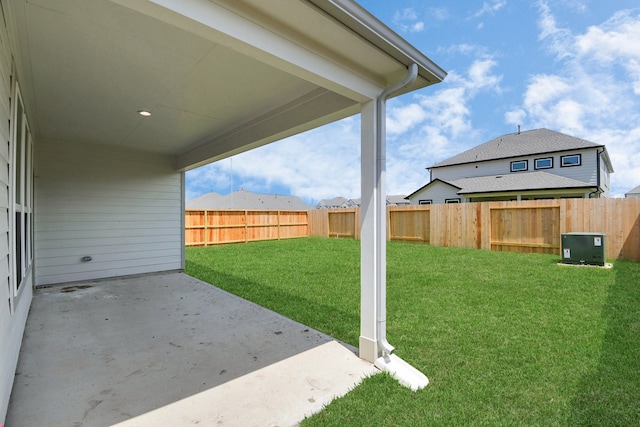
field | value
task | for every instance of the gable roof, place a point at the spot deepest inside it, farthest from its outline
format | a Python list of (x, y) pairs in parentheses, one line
[(633, 191), (536, 141), (516, 182), (432, 183)]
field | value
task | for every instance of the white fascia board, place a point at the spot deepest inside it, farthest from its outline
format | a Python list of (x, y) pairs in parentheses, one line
[(378, 34), (222, 25)]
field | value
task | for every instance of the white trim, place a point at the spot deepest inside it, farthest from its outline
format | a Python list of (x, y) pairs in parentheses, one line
[(21, 203)]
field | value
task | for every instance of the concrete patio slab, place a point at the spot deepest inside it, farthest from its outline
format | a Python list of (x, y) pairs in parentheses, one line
[(281, 394), (168, 349)]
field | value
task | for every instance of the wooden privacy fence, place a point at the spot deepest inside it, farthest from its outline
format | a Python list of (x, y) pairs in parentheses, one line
[(214, 227), (526, 226)]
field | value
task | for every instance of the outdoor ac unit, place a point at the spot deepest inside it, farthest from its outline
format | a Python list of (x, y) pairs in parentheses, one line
[(583, 248)]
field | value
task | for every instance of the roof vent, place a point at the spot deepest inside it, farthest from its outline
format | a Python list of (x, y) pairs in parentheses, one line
[(518, 129)]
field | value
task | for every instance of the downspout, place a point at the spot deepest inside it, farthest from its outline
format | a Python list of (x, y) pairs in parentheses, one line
[(385, 361), (598, 190), (381, 297)]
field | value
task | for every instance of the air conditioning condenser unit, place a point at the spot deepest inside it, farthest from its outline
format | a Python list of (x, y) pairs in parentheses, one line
[(583, 248)]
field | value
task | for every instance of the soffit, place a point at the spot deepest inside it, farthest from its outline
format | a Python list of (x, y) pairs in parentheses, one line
[(87, 66)]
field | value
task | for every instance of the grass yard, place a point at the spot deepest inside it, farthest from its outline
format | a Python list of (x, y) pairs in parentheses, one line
[(506, 339)]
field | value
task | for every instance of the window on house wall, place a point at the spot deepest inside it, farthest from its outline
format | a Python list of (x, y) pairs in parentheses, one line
[(425, 202), (546, 163), (519, 166), (452, 200), (572, 160), (22, 192)]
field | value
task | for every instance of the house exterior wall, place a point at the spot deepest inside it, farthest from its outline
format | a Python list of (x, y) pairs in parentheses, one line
[(438, 192), (120, 207), (14, 305), (586, 172)]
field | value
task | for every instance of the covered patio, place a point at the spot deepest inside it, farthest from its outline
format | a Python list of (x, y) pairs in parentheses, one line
[(105, 104), (169, 350)]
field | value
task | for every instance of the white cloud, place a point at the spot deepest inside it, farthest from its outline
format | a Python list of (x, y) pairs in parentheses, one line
[(593, 93), (490, 8), (439, 13), (407, 20), (557, 39), (402, 118), (318, 164)]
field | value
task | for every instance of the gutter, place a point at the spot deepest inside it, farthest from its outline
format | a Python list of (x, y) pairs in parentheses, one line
[(362, 22)]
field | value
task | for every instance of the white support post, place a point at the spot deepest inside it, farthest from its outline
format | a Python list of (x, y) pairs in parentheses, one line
[(373, 231)]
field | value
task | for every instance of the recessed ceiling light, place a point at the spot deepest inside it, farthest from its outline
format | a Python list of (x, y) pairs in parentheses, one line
[(144, 113)]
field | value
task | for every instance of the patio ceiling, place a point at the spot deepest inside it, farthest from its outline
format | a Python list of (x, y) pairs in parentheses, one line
[(219, 77)]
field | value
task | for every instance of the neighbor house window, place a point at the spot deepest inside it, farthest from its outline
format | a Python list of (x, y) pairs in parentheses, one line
[(22, 192), (425, 202), (545, 163), (519, 166), (572, 160), (452, 200)]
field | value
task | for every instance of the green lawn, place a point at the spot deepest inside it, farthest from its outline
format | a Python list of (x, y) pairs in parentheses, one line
[(506, 339)]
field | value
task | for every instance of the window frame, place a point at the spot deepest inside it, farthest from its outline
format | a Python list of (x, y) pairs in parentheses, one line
[(454, 200), (20, 193), (425, 202), (526, 165), (578, 156), (535, 163)]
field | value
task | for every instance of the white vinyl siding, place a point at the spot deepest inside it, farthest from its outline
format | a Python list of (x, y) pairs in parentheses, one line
[(13, 307), (120, 207), (586, 172), (437, 192)]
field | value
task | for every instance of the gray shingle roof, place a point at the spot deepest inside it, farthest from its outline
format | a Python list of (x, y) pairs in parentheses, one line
[(634, 191), (206, 201), (536, 141), (397, 200), (516, 182), (243, 199)]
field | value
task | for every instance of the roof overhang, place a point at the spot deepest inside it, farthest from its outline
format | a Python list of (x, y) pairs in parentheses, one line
[(218, 76)]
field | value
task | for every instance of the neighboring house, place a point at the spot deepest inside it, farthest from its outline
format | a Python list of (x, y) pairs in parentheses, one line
[(633, 193), (535, 164), (335, 203), (104, 104), (400, 200), (341, 202), (243, 199)]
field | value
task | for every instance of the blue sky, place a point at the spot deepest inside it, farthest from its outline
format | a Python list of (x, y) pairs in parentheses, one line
[(568, 65)]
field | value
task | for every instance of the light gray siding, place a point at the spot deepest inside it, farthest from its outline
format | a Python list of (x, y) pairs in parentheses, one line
[(120, 207), (13, 307), (586, 172), (438, 192)]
